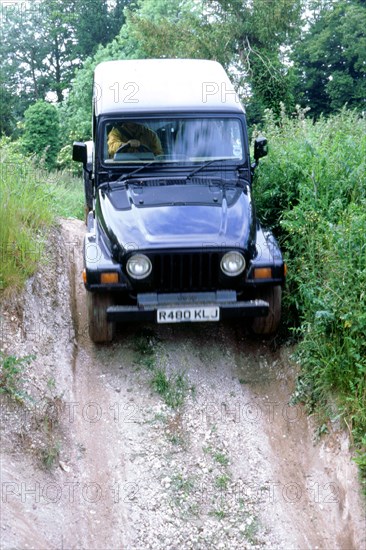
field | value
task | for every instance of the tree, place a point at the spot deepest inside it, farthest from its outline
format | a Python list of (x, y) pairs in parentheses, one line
[(153, 33), (58, 27), (41, 132), (44, 42), (7, 121), (259, 30), (38, 48), (22, 51), (245, 41), (176, 29), (245, 36), (331, 58), (98, 22)]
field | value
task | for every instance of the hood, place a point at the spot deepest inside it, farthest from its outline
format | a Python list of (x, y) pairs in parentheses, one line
[(176, 216)]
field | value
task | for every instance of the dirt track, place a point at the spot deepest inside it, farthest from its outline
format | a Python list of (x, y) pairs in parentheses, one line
[(234, 467)]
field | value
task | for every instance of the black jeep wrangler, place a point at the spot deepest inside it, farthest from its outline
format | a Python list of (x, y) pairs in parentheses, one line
[(172, 233)]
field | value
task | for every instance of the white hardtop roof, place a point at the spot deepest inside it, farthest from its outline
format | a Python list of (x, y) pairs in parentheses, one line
[(170, 85)]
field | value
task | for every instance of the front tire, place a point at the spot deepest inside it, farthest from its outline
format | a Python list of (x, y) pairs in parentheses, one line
[(100, 330), (269, 324)]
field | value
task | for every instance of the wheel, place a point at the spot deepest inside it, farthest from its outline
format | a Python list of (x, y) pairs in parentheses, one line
[(270, 323), (100, 330)]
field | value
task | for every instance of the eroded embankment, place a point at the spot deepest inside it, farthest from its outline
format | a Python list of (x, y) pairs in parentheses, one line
[(233, 466)]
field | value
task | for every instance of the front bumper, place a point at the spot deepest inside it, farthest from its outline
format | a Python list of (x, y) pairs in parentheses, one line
[(149, 304)]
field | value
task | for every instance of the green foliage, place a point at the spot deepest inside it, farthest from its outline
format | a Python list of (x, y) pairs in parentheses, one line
[(360, 460), (221, 458), (30, 200), (38, 44), (144, 346), (222, 481), (97, 22), (176, 29), (272, 84), (172, 388), (311, 189), (235, 35), (253, 34), (41, 132), (330, 59), (44, 42), (7, 100), (50, 454), (11, 376)]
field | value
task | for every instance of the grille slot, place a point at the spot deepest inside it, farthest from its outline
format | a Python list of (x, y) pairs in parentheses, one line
[(183, 272)]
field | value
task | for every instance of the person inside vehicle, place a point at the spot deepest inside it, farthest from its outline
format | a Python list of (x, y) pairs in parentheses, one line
[(132, 137)]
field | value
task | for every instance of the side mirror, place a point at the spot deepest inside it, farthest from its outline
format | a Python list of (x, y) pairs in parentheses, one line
[(79, 152), (260, 148)]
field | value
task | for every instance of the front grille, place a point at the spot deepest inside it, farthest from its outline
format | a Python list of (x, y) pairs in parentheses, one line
[(182, 272)]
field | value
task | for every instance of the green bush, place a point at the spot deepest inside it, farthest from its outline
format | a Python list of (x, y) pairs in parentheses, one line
[(12, 375), (30, 200), (312, 191), (41, 132)]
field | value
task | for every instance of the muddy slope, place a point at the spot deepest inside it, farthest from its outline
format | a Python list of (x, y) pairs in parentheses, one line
[(99, 460)]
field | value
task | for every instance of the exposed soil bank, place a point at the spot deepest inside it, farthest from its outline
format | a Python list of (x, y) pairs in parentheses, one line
[(234, 467)]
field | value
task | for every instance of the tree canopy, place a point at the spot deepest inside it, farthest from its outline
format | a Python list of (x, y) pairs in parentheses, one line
[(330, 59), (45, 42), (311, 52)]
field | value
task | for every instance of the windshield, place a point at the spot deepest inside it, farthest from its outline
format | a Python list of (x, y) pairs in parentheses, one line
[(171, 139)]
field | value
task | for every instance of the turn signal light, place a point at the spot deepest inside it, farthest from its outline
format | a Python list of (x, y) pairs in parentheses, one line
[(109, 278), (84, 276), (263, 273)]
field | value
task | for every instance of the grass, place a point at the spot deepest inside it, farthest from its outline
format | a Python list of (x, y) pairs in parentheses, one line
[(217, 456), (12, 376), (176, 439), (44, 414), (50, 455), (144, 345), (183, 484), (251, 531), (311, 190), (222, 482), (174, 387), (221, 458), (30, 201), (219, 514)]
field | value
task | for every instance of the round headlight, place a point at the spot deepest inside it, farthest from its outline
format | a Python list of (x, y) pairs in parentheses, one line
[(139, 266), (233, 263)]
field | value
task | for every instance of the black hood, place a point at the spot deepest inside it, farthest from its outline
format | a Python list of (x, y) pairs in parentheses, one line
[(176, 216)]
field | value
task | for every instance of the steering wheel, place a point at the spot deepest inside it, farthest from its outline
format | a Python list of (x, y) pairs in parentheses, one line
[(142, 148)]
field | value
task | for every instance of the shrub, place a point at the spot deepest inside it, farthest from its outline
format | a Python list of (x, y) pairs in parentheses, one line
[(41, 132), (312, 191), (11, 376), (31, 199)]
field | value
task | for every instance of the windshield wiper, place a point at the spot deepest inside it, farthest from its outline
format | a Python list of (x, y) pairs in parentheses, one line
[(139, 169), (207, 164), (125, 177)]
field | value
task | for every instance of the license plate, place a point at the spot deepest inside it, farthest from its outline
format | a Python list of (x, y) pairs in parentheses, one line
[(188, 314)]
